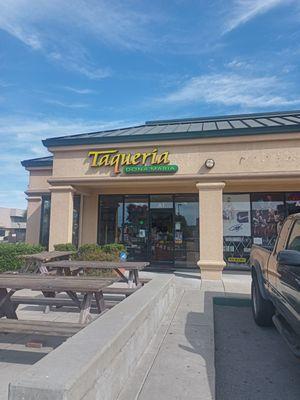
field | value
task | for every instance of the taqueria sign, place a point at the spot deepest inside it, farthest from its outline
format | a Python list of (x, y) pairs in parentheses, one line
[(133, 163)]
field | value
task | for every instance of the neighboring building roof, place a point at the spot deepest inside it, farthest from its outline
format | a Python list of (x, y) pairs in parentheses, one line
[(8, 218), (189, 128), (38, 162)]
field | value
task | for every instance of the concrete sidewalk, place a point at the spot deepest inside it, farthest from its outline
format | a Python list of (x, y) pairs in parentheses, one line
[(179, 362)]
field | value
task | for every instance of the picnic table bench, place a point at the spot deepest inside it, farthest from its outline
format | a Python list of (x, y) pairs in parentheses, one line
[(90, 287), (33, 262), (39, 327), (70, 266)]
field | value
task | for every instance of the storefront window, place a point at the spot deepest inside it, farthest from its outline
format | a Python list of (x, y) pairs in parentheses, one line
[(186, 230), (45, 220), (293, 203), (76, 220), (162, 229), (136, 227), (161, 201), (111, 219), (236, 228), (268, 213)]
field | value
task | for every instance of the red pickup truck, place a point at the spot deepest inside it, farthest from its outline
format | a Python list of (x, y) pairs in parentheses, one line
[(275, 291)]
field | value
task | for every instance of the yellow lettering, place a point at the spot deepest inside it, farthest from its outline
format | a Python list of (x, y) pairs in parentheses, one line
[(145, 156), (115, 160), (163, 158), (104, 160), (95, 155), (125, 159), (135, 158), (153, 156)]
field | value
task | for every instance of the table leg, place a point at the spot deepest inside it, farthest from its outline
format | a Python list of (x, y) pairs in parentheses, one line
[(73, 296), (136, 278), (43, 269), (100, 303), (131, 279), (85, 308), (7, 308), (123, 277)]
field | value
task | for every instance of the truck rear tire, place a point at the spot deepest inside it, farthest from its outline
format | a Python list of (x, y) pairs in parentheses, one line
[(262, 309)]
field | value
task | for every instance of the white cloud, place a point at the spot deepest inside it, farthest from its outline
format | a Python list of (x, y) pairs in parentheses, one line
[(234, 89), (16, 19), (20, 138), (78, 60), (23, 135), (242, 11), (46, 26), (56, 28), (78, 90), (65, 105)]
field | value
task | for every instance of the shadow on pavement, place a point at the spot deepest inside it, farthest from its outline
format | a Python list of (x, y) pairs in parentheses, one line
[(20, 357), (251, 362)]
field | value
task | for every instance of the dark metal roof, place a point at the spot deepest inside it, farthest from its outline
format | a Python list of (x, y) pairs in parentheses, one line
[(189, 128), (38, 162)]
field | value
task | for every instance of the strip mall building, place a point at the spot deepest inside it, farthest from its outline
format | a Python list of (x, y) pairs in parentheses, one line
[(179, 193)]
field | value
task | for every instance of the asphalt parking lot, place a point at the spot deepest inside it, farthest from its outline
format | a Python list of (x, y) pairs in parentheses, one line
[(252, 363)]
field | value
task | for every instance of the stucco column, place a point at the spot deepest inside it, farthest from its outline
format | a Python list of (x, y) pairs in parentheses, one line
[(89, 220), (61, 216), (211, 260), (33, 219)]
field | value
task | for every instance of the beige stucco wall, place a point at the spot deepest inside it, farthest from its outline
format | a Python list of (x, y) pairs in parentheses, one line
[(251, 154), (61, 216), (33, 219), (38, 179), (89, 219), (37, 186)]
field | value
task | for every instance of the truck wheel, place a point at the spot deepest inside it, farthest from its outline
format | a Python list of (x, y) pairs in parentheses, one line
[(263, 310)]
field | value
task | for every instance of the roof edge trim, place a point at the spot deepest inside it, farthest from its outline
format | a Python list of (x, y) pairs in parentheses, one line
[(54, 142)]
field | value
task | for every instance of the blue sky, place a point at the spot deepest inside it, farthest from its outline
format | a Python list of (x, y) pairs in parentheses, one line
[(72, 66)]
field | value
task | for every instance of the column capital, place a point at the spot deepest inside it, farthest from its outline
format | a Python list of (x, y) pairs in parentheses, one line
[(64, 189), (34, 198), (210, 185)]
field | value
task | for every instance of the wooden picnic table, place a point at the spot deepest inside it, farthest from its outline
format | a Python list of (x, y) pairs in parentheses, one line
[(90, 287), (33, 262), (69, 266)]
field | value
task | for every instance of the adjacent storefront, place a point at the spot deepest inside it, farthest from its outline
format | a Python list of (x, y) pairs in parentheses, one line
[(178, 193)]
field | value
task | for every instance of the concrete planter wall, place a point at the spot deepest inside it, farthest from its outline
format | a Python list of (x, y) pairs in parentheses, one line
[(96, 362)]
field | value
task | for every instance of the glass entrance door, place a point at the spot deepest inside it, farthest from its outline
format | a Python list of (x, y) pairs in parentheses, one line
[(162, 236), (160, 228)]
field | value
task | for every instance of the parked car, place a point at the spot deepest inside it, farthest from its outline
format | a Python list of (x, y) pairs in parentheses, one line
[(275, 290)]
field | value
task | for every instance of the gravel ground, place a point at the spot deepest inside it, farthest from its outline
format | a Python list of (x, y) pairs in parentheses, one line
[(252, 363)]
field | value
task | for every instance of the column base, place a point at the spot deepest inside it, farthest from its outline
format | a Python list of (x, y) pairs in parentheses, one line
[(211, 270)]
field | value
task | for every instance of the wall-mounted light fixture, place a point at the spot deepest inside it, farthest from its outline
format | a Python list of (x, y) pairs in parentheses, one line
[(210, 163)]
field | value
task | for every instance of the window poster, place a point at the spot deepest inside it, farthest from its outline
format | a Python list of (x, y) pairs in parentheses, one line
[(236, 215)]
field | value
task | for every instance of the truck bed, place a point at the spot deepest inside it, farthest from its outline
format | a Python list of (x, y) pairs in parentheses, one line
[(260, 255)]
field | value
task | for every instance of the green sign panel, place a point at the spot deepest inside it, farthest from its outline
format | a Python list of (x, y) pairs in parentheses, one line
[(150, 169)]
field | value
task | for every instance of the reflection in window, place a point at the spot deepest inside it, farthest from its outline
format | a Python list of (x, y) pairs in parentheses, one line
[(186, 230), (111, 219), (293, 203), (236, 228), (136, 227), (268, 213), (161, 228), (45, 220), (161, 201), (76, 219)]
